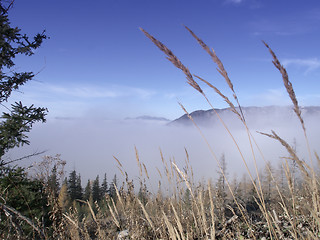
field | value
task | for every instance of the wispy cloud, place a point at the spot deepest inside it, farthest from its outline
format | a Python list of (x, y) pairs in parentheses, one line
[(272, 27), (286, 24), (279, 97), (77, 99), (91, 92), (309, 99), (82, 92), (310, 64), (252, 4), (276, 96), (235, 1)]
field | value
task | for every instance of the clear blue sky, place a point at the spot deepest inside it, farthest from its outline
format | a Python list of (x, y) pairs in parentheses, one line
[(98, 62)]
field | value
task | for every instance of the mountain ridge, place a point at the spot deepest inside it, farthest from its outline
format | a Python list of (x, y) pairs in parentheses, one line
[(208, 117)]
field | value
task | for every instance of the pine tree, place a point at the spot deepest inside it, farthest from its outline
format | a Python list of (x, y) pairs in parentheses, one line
[(79, 187), (221, 184), (221, 194), (104, 186), (14, 183), (74, 186), (236, 188), (281, 176), (112, 188), (15, 124), (96, 190), (53, 183), (87, 191)]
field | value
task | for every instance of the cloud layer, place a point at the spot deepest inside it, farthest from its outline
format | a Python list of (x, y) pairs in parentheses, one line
[(88, 145), (309, 65)]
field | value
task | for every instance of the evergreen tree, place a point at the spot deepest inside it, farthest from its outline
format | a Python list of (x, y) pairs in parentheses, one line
[(268, 183), (74, 186), (221, 183), (79, 187), (96, 190), (53, 182), (15, 124), (281, 176), (112, 188), (236, 187), (221, 194), (87, 191), (294, 165), (104, 186), (33, 205)]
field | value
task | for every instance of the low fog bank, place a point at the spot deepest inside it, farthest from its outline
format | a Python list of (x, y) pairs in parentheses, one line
[(88, 145)]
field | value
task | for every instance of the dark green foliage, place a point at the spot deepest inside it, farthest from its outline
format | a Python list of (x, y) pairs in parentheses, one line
[(16, 124), (104, 186), (53, 186), (12, 43), (19, 119), (96, 190), (23, 202), (87, 191), (79, 187), (15, 188), (24, 195), (74, 186), (112, 188)]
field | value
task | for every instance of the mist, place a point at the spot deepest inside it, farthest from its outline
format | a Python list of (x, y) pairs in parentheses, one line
[(89, 144)]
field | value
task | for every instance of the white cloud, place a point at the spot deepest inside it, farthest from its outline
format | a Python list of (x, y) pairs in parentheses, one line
[(252, 4), (140, 92), (234, 1), (90, 91), (310, 64), (77, 99), (263, 26), (83, 91), (277, 96), (309, 99)]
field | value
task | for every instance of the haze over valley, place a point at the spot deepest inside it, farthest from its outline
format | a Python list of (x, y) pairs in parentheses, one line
[(88, 145)]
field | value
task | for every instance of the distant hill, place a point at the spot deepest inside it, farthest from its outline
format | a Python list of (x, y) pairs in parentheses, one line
[(149, 118), (269, 115)]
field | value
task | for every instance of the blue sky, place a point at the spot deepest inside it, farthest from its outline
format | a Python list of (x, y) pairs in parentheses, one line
[(98, 63)]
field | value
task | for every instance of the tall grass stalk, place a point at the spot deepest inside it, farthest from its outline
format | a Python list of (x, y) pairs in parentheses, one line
[(171, 57)]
